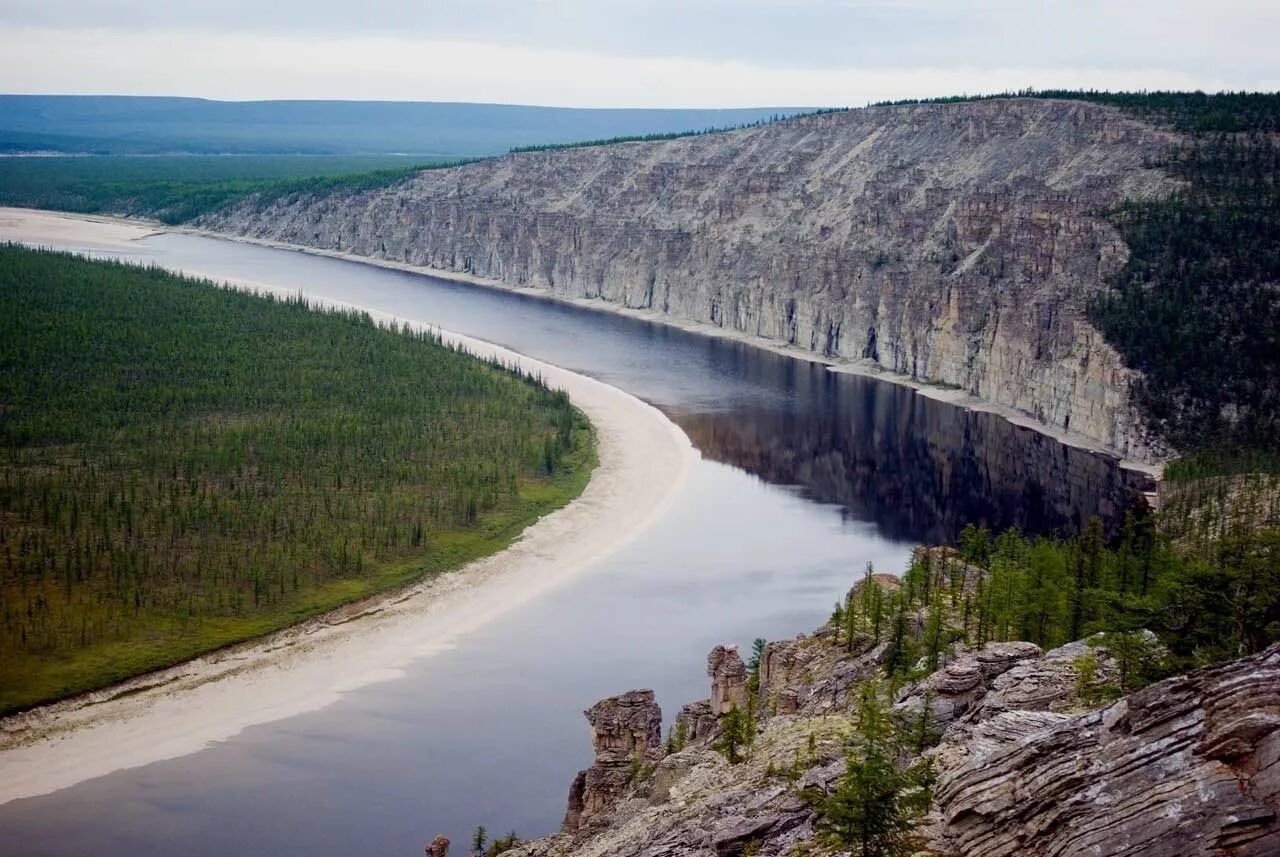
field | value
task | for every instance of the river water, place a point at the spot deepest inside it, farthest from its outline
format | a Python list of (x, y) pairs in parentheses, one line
[(807, 475)]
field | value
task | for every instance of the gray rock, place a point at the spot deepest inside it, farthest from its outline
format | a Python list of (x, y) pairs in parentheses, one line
[(626, 731), (1186, 767), (955, 243), (962, 684), (728, 680)]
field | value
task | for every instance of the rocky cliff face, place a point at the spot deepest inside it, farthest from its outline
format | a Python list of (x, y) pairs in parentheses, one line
[(626, 733), (1189, 766), (1026, 766), (952, 243)]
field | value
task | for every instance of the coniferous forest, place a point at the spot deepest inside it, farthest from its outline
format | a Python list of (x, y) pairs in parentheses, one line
[(185, 466), (1197, 306), (1160, 607)]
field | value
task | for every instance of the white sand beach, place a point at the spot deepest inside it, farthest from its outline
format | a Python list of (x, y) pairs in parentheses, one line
[(643, 460)]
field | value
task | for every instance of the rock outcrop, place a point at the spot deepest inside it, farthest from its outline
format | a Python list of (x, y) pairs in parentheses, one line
[(728, 676), (949, 243), (1189, 766), (697, 721), (626, 732), (964, 683)]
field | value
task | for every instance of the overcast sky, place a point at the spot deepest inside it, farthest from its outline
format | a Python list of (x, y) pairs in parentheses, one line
[(686, 53)]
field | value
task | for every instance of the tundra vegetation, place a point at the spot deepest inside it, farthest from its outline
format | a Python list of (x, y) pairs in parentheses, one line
[(187, 466)]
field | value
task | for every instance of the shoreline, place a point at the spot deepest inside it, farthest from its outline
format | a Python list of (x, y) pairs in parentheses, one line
[(957, 397), (864, 368), (643, 456)]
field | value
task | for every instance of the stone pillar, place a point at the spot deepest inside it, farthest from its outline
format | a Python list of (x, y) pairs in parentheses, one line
[(626, 730), (728, 680)]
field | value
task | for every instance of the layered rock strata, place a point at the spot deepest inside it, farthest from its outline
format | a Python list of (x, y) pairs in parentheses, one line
[(1188, 766), (626, 732), (949, 243)]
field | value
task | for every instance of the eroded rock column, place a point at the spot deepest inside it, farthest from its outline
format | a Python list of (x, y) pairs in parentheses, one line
[(626, 732)]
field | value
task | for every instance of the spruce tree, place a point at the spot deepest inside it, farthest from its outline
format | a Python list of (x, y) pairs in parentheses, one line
[(876, 802), (733, 735)]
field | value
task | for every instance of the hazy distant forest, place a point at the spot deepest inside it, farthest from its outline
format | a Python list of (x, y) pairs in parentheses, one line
[(185, 466), (179, 188)]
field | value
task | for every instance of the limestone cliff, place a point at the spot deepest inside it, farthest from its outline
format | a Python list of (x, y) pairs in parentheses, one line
[(953, 243)]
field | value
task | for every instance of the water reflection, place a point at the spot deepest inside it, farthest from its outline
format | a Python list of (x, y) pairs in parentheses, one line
[(918, 468), (491, 732)]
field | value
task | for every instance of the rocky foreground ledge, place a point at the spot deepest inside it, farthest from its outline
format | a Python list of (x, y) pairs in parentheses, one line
[(1027, 761)]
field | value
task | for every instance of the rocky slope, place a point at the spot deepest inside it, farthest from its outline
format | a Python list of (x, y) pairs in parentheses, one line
[(1188, 766), (953, 243)]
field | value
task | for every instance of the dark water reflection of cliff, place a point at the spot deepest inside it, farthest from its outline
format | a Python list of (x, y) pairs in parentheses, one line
[(490, 731), (918, 468)]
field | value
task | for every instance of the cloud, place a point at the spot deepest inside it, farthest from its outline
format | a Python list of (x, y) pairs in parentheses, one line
[(250, 65), (1234, 37)]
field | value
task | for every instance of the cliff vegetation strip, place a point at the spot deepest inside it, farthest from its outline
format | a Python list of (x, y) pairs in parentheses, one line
[(1196, 307), (187, 466), (179, 188)]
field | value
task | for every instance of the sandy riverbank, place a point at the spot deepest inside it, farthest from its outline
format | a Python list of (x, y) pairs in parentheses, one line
[(643, 459)]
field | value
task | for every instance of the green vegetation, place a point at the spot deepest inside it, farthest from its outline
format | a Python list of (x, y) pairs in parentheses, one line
[(178, 189), (1197, 305), (186, 466), (1188, 111), (1208, 464), (736, 732), (678, 737), (1205, 607), (145, 125), (877, 802), (502, 845)]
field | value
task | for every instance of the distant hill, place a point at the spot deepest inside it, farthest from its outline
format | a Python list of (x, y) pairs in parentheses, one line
[(153, 125)]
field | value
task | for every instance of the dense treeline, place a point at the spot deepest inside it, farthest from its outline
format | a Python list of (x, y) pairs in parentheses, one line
[(1204, 607), (674, 135), (185, 465), (177, 189), (1187, 110), (1197, 306)]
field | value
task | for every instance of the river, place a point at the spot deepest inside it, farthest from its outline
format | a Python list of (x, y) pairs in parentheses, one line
[(807, 475)]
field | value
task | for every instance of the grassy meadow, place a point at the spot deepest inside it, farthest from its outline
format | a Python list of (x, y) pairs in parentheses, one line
[(184, 466)]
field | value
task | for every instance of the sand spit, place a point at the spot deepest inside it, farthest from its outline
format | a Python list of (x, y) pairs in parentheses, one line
[(643, 460)]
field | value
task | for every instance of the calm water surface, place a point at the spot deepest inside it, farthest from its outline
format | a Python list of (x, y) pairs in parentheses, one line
[(807, 476)]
